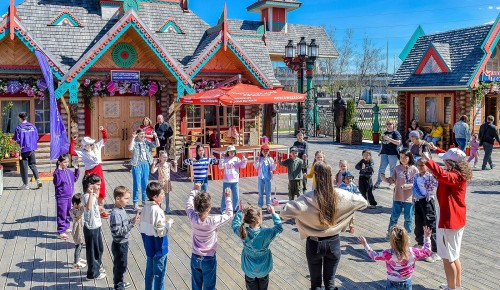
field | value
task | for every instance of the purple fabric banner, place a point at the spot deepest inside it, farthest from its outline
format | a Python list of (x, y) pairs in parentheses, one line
[(58, 137)]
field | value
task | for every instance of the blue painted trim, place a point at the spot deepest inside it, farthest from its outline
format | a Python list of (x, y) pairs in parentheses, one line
[(3, 34), (160, 2), (257, 36), (105, 49), (66, 16), (409, 45), (476, 71), (180, 92), (205, 61), (247, 65), (173, 24)]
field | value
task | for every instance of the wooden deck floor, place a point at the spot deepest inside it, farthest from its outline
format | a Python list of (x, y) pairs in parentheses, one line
[(32, 257)]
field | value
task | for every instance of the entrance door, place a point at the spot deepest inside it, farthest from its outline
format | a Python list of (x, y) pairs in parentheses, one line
[(120, 116), (491, 108)]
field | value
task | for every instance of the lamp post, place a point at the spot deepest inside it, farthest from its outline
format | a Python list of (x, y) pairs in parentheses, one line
[(298, 58)]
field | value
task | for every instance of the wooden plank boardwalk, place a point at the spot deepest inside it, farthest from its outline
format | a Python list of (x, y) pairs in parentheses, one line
[(32, 257)]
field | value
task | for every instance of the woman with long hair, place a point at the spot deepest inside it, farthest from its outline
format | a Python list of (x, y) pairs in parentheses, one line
[(321, 215)]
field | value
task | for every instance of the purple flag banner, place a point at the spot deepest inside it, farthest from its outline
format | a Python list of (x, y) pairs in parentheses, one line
[(58, 137)]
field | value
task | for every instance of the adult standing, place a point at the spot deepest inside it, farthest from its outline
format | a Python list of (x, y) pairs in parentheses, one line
[(339, 109), (417, 146), (26, 136), (388, 151), (488, 133), (164, 132), (148, 128), (301, 144), (462, 132), (321, 215), (452, 186), (141, 160)]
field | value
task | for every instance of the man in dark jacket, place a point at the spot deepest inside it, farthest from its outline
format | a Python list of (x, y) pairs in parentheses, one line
[(164, 132), (26, 136), (488, 133)]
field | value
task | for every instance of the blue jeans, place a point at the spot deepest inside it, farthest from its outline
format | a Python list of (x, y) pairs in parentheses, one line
[(203, 272), (403, 285), (397, 208), (391, 160), (156, 270), (264, 188), (204, 184), (140, 174), (434, 140), (462, 143), (235, 196)]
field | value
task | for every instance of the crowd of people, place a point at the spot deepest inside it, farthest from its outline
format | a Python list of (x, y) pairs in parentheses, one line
[(320, 214)]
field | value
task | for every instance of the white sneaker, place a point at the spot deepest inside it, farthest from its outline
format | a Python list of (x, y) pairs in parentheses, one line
[(101, 276), (102, 270), (436, 257), (83, 261), (443, 286), (23, 187), (126, 284), (430, 259), (136, 206)]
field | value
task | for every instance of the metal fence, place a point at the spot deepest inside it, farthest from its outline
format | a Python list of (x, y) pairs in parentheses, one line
[(364, 118)]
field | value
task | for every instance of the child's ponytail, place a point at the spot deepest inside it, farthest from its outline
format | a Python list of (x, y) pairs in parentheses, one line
[(243, 231), (251, 216)]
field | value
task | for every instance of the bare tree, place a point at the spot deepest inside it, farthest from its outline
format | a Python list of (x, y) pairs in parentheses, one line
[(369, 62)]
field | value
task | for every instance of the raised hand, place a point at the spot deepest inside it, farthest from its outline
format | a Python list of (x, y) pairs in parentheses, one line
[(270, 209), (197, 186), (227, 192), (362, 241), (101, 128), (427, 232), (134, 135), (425, 156), (363, 166), (242, 206), (431, 146), (74, 137)]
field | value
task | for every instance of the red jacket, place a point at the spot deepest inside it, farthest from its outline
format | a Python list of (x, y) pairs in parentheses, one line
[(450, 195)]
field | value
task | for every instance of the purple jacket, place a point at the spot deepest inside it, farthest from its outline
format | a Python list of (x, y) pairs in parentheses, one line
[(26, 136), (64, 182)]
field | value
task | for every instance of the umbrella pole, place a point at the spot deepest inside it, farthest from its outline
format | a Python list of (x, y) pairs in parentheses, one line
[(217, 117)]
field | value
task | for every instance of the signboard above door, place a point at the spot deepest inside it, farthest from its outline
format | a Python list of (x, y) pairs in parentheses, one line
[(125, 75)]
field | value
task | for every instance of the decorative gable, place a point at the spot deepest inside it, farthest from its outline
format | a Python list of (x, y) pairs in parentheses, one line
[(171, 26), (436, 59), (65, 18)]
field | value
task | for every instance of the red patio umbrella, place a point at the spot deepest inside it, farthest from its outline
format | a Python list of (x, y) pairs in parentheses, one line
[(242, 94)]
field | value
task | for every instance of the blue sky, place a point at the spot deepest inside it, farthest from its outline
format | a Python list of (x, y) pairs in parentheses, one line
[(381, 20)]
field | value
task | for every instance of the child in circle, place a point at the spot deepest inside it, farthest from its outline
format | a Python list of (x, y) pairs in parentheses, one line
[(164, 167), (64, 184), (400, 258), (265, 166), (231, 165), (256, 257), (318, 156), (343, 168)]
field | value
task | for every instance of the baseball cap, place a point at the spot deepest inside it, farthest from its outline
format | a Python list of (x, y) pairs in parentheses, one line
[(264, 147), (230, 148), (87, 141), (346, 175), (453, 154), (414, 134), (293, 148)]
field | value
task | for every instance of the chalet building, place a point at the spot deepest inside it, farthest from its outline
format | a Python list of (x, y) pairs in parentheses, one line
[(117, 61), (449, 74)]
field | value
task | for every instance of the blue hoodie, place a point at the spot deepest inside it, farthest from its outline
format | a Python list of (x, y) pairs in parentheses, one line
[(256, 257), (26, 136)]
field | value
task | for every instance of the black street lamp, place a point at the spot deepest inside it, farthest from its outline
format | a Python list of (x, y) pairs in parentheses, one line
[(298, 58)]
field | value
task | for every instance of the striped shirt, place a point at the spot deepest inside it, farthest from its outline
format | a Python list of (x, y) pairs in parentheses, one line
[(200, 167)]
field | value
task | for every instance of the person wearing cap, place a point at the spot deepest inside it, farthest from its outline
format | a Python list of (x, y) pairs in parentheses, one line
[(295, 175), (417, 146), (265, 166), (488, 133), (231, 165), (26, 135), (90, 153), (348, 184), (451, 190)]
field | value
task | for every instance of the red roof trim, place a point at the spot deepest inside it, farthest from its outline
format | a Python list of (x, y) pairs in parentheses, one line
[(431, 52)]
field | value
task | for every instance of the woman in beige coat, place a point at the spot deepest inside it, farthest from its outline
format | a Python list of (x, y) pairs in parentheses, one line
[(321, 215)]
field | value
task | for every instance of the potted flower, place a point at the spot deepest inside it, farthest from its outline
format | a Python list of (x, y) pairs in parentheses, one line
[(351, 134)]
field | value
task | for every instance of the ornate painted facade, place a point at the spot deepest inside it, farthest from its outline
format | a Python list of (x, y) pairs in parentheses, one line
[(117, 60)]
